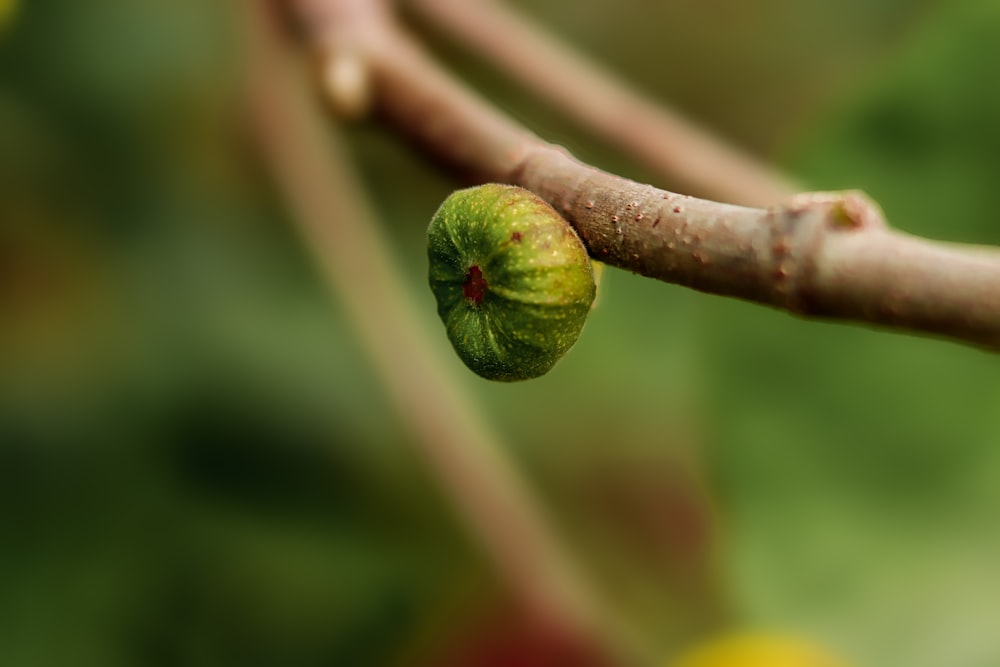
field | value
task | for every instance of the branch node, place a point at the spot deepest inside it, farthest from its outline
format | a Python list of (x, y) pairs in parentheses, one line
[(346, 80), (846, 210)]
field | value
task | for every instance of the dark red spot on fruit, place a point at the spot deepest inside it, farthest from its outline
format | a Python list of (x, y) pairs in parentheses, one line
[(474, 287), (516, 237)]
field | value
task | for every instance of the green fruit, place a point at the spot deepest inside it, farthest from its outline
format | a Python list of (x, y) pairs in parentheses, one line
[(512, 280)]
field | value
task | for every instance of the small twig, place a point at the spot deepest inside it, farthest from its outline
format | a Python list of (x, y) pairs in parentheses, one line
[(658, 137), (461, 450), (818, 255)]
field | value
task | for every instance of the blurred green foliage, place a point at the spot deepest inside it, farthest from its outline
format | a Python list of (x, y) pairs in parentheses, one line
[(198, 467)]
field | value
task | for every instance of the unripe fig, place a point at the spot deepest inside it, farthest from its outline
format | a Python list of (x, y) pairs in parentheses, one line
[(512, 280)]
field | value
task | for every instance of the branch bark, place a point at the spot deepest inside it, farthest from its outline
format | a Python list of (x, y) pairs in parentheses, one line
[(825, 255)]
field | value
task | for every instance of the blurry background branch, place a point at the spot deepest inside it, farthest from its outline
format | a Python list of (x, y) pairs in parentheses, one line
[(827, 256), (462, 452), (675, 148)]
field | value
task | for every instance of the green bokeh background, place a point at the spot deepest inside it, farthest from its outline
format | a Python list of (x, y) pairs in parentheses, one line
[(199, 467)]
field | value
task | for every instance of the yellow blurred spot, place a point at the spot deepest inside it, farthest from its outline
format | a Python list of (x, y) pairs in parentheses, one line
[(757, 650), (7, 9)]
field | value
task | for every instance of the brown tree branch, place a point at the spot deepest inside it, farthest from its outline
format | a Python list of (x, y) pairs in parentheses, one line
[(656, 136), (449, 432), (818, 255)]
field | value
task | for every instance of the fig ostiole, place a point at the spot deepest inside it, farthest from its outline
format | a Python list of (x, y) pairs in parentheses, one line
[(512, 279)]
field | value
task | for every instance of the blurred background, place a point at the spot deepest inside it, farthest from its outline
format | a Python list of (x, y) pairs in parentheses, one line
[(198, 465)]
